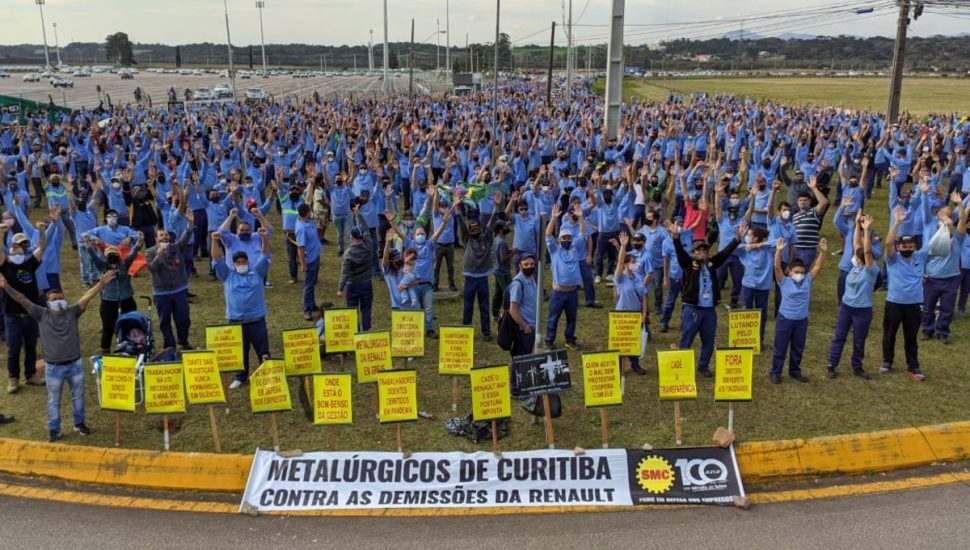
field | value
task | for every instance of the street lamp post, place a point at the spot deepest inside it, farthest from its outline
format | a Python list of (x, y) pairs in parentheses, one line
[(232, 70), (437, 47), (43, 28), (260, 4), (57, 45), (386, 85)]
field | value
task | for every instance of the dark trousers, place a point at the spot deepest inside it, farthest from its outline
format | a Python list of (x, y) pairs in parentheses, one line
[(964, 290), (701, 320), (604, 248), (858, 319), (39, 193), (188, 258), (908, 316), (735, 269), (560, 302), (942, 292), (668, 309), (524, 344), (589, 290), (22, 333), (202, 236), (374, 261), (444, 252), (255, 336), (406, 192), (310, 285), (174, 306), (754, 298), (109, 316), (658, 289), (291, 254), (840, 285), (149, 232), (789, 340), (476, 287), (502, 281), (360, 295), (774, 312)]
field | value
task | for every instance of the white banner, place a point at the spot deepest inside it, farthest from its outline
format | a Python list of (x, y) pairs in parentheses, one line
[(348, 480)]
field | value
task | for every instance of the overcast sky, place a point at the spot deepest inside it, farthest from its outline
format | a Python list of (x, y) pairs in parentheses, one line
[(339, 22)]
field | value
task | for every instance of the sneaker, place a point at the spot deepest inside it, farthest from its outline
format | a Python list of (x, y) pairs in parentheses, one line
[(430, 333), (191, 295), (594, 305), (798, 376), (82, 429), (53, 436), (547, 346), (915, 374), (861, 374), (886, 368), (307, 316), (235, 385), (609, 278), (663, 329), (706, 373), (268, 284), (572, 347), (291, 281), (596, 280), (36, 380), (452, 288), (13, 385), (775, 379), (639, 370), (837, 252), (188, 347), (830, 373), (4, 419)]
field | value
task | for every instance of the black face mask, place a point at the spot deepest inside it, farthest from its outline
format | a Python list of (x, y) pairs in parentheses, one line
[(213, 198), (397, 264), (294, 196), (638, 246), (651, 222), (608, 198), (528, 271), (906, 253), (475, 232)]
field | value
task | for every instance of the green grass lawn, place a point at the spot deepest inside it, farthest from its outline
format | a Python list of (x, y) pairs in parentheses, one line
[(920, 95)]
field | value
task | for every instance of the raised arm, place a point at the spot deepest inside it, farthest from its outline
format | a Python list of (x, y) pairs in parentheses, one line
[(779, 272), (823, 247), (96, 289)]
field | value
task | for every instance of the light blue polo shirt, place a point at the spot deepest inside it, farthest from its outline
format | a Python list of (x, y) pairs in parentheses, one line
[(526, 232), (669, 251), (906, 278), (245, 298), (628, 293), (424, 265), (565, 263), (307, 237), (859, 283), (795, 298), (759, 271), (522, 291)]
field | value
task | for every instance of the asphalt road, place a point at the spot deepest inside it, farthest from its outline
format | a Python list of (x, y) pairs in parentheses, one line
[(925, 519), (85, 94)]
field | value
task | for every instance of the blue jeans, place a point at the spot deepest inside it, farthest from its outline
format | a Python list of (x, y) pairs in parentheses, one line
[(21, 332), (425, 296), (56, 375), (255, 335), (560, 302), (89, 275), (702, 320), (589, 290), (361, 296), (672, 294), (789, 334), (340, 224), (309, 286), (174, 306), (754, 298), (476, 287)]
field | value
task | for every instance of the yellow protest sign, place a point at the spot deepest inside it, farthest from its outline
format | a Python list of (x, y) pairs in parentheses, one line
[(226, 341), (601, 379), (202, 382), (677, 376), (407, 333), (340, 326), (373, 354), (744, 329), (301, 351), (118, 383), (491, 393), (456, 350), (397, 395), (268, 390), (624, 335), (733, 374), (332, 399), (164, 388)]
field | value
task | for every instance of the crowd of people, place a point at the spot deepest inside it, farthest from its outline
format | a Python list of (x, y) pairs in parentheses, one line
[(400, 186)]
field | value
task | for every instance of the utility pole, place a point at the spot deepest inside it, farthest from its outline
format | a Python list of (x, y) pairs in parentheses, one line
[(899, 54), (386, 85), (552, 51), (57, 44), (232, 69), (498, 11), (614, 70), (448, 37), (262, 42), (411, 63), (370, 52), (437, 48), (569, 55), (740, 40), (43, 28)]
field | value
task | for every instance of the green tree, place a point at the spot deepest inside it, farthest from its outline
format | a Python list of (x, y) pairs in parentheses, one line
[(118, 47)]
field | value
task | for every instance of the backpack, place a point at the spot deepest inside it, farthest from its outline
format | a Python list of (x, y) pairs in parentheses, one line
[(534, 405), (507, 328)]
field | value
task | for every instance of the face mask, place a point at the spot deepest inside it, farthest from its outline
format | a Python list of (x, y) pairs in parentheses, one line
[(785, 214), (651, 222), (58, 305), (420, 239), (113, 260), (638, 246), (797, 277), (853, 184), (656, 197), (17, 259), (528, 271), (242, 269), (408, 223), (748, 239), (56, 183), (524, 214), (112, 220), (608, 198), (474, 232), (294, 196), (566, 245), (213, 198), (732, 216), (906, 253), (856, 262), (804, 207), (116, 185), (245, 237), (734, 202)]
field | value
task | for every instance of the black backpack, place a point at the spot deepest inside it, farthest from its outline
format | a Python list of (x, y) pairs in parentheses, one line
[(507, 328)]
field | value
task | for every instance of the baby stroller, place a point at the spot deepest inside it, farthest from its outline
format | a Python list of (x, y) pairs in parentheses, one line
[(134, 333)]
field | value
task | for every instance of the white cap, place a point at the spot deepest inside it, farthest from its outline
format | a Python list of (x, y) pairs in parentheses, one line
[(564, 232)]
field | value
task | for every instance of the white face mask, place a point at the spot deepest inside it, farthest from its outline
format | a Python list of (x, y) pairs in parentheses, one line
[(242, 269), (856, 262), (785, 214), (798, 277), (58, 305), (112, 220), (115, 185), (17, 259)]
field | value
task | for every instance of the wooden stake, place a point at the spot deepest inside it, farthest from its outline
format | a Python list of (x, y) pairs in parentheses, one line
[(215, 428), (604, 430), (495, 447), (276, 431), (400, 445), (730, 416), (624, 364), (333, 438), (547, 409), (341, 361), (377, 402), (454, 394), (117, 429), (165, 430), (677, 422)]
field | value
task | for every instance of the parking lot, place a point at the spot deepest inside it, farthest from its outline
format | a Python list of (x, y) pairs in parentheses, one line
[(156, 86)]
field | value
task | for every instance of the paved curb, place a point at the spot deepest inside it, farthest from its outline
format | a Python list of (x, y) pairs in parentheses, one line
[(760, 462)]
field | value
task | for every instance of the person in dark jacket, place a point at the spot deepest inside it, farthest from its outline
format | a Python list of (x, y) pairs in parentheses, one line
[(478, 265), (355, 271), (701, 293), (117, 296), (170, 283)]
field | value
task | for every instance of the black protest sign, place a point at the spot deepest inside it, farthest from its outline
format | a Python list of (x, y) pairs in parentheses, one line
[(541, 373), (700, 475)]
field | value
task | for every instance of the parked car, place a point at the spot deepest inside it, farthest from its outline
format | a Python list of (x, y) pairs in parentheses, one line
[(255, 94), (201, 94), (220, 91), (126, 75), (31, 78), (62, 83), (4, 74)]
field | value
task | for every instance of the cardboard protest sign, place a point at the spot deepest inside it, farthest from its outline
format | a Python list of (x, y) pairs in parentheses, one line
[(203, 385), (407, 333), (624, 333), (332, 399), (118, 383), (456, 349), (268, 390), (744, 329), (226, 341), (373, 354), (601, 379), (397, 395), (164, 388), (301, 351), (676, 374), (491, 393), (340, 326), (733, 375)]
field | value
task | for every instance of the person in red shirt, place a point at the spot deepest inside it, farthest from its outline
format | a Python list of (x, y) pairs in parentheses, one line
[(695, 218)]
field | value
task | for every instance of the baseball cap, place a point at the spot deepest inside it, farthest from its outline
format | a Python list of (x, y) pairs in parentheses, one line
[(250, 203), (699, 243), (239, 255), (905, 239), (564, 233), (356, 233), (20, 237), (678, 219)]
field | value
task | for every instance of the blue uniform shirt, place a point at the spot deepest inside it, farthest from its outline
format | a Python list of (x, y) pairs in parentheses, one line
[(795, 298), (522, 291), (705, 295), (245, 298), (629, 293), (906, 278), (859, 283), (307, 237), (565, 263), (758, 267)]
